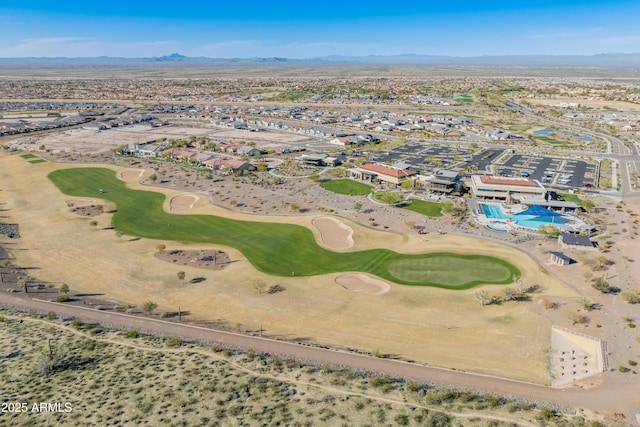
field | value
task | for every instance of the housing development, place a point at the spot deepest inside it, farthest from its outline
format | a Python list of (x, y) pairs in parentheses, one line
[(424, 247)]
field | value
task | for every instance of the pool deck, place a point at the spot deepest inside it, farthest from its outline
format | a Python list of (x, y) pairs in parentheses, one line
[(572, 223)]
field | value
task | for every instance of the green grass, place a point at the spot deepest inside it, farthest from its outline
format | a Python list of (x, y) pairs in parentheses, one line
[(347, 186), (276, 249), (28, 156), (388, 198), (432, 209), (519, 128), (36, 161), (438, 270), (552, 140), (567, 197)]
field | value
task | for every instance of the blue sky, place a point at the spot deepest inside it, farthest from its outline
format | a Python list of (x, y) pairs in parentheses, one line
[(306, 29)]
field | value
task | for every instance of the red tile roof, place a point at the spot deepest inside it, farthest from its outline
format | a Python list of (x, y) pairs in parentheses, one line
[(384, 170)]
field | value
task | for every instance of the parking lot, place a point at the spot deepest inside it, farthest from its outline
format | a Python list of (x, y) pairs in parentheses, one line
[(549, 170)]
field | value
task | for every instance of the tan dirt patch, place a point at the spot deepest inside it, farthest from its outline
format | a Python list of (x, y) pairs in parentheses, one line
[(77, 202), (208, 259), (182, 203), (335, 234), (131, 174), (359, 282)]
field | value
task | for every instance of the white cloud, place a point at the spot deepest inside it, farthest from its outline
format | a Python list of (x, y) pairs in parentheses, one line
[(86, 47)]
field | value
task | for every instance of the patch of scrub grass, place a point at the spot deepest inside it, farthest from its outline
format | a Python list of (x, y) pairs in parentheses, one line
[(465, 98), (348, 187), (273, 248), (28, 156), (425, 208)]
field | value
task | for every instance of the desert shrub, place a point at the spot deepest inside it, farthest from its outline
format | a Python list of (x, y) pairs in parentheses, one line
[(62, 298), (173, 341), (630, 297)]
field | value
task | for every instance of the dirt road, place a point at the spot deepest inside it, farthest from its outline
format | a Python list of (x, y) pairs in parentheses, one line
[(603, 397)]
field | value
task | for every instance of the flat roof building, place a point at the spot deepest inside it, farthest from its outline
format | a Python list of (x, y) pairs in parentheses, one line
[(497, 187)]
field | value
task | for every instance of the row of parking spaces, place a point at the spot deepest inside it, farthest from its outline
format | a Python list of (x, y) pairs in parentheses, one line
[(484, 159), (549, 170), (430, 157)]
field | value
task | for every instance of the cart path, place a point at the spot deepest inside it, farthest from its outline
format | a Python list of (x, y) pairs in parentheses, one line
[(608, 396)]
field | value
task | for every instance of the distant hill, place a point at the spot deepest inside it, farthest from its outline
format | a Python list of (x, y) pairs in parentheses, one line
[(600, 60), (608, 60)]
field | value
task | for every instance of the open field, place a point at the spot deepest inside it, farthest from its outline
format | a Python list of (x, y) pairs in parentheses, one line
[(276, 249), (592, 103), (429, 325), (102, 377)]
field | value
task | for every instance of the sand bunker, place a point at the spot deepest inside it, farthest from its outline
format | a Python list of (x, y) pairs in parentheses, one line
[(358, 282), (131, 174), (334, 233), (182, 203)]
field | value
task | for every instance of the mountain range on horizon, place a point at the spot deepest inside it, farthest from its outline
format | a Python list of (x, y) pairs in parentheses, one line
[(606, 60)]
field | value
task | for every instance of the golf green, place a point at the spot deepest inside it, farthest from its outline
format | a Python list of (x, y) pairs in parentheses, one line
[(277, 249), (467, 269)]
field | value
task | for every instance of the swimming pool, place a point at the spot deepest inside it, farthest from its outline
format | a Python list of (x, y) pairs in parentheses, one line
[(526, 221), (493, 211), (496, 227)]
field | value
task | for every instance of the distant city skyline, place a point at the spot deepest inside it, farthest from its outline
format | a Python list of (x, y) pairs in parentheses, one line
[(314, 29)]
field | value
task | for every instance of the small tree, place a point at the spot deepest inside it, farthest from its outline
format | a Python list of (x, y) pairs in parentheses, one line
[(23, 282), (149, 306), (64, 289), (161, 247), (630, 297), (407, 185), (578, 318), (549, 230), (181, 275), (602, 285), (93, 224), (585, 304), (119, 234)]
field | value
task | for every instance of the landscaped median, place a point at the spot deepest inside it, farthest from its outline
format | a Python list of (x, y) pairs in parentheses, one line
[(276, 249)]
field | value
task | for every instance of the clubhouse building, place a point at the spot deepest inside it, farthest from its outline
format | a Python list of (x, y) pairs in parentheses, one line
[(381, 173), (504, 188)]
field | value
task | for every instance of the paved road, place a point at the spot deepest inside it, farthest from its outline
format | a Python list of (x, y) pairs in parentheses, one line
[(606, 397)]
